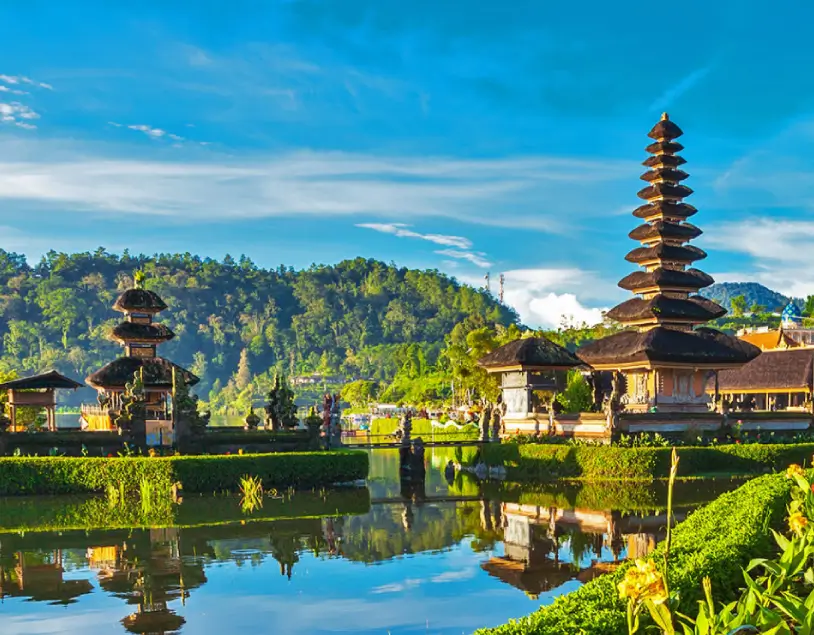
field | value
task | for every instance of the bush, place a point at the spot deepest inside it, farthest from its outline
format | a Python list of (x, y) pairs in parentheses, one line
[(715, 541), (204, 474), (543, 462)]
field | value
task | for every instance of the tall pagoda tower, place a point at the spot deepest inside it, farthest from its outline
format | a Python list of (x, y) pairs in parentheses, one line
[(140, 336), (665, 354)]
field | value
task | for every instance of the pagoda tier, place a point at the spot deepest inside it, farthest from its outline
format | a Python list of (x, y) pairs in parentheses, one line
[(663, 354)]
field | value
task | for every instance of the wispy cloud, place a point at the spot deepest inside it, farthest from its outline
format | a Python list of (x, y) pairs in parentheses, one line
[(20, 79), (477, 258), (12, 91), (666, 99), (156, 133), (313, 183), (400, 230), (18, 114)]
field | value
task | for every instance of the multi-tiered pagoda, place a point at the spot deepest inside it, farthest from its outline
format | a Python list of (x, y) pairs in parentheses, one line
[(666, 356), (140, 336)]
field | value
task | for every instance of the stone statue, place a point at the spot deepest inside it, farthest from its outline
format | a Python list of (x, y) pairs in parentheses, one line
[(406, 427), (596, 390), (614, 402), (485, 421), (497, 419)]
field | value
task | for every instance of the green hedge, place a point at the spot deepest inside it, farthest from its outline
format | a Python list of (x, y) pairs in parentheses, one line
[(423, 428), (715, 541), (205, 474), (541, 462)]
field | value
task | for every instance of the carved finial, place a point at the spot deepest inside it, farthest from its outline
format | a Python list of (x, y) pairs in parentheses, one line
[(665, 116)]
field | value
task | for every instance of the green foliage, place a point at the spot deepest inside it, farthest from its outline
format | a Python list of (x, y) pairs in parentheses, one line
[(808, 307), (577, 396), (204, 474), (423, 428), (753, 293), (738, 304), (545, 462), (354, 319), (359, 393), (715, 541)]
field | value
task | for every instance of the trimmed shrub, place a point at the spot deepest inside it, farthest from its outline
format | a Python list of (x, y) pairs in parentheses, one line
[(715, 541), (204, 474), (545, 462)]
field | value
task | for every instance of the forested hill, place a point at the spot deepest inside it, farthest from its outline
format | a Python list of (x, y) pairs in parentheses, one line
[(754, 293), (355, 318)]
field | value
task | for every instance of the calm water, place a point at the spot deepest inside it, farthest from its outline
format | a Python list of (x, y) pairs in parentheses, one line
[(389, 558)]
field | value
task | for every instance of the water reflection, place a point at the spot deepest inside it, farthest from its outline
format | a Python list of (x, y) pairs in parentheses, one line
[(408, 556)]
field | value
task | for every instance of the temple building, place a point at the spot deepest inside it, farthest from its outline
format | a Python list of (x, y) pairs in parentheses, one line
[(665, 354), (140, 336), (532, 371)]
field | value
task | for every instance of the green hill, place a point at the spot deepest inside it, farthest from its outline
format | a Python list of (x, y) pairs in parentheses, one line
[(755, 294), (354, 319)]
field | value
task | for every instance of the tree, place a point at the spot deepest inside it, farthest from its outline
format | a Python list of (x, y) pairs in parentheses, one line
[(756, 308), (577, 396), (738, 304), (243, 377), (359, 393), (808, 307)]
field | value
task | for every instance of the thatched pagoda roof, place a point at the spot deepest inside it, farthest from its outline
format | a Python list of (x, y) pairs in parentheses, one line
[(530, 352), (668, 209), (139, 301), (695, 309), (666, 190), (157, 373), (134, 332), (667, 160), (772, 370), (662, 344), (50, 379), (665, 229), (664, 147), (661, 277), (663, 251), (162, 621), (665, 130), (664, 173)]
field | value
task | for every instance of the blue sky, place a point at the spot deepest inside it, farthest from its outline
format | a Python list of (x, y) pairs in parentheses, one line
[(467, 137)]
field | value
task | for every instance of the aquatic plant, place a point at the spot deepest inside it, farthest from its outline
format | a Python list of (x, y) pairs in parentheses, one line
[(251, 488)]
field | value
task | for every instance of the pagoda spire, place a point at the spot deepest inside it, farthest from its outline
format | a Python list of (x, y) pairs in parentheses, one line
[(666, 288)]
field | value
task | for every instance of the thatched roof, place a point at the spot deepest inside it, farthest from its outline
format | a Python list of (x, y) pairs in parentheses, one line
[(664, 174), (665, 130), (661, 277), (772, 370), (50, 379), (667, 160), (532, 352), (139, 301), (157, 373), (664, 189), (670, 209), (703, 346), (694, 308), (162, 621), (665, 229), (134, 332), (664, 147), (663, 251)]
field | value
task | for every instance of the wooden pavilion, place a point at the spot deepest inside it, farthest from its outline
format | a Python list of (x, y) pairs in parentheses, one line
[(140, 337), (778, 380), (38, 391), (532, 371), (666, 355)]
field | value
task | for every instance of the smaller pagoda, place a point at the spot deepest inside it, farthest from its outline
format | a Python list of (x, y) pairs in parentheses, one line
[(140, 337)]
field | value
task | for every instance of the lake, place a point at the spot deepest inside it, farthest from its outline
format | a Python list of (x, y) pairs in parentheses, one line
[(392, 557)]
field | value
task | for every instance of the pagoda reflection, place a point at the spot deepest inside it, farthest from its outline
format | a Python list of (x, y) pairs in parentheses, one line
[(39, 576)]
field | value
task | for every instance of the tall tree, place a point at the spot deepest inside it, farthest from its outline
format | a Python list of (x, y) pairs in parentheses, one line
[(243, 377)]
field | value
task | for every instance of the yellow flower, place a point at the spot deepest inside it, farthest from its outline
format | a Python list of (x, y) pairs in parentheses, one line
[(797, 522), (795, 470), (240, 451), (152, 452), (643, 581)]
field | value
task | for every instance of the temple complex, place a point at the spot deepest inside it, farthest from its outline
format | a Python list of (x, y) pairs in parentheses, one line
[(665, 354), (140, 336)]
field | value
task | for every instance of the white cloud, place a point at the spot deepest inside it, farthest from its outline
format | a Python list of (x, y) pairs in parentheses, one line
[(12, 91), (400, 230), (315, 183), (17, 114), (677, 90), (150, 132), (548, 298), (20, 79), (477, 258)]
